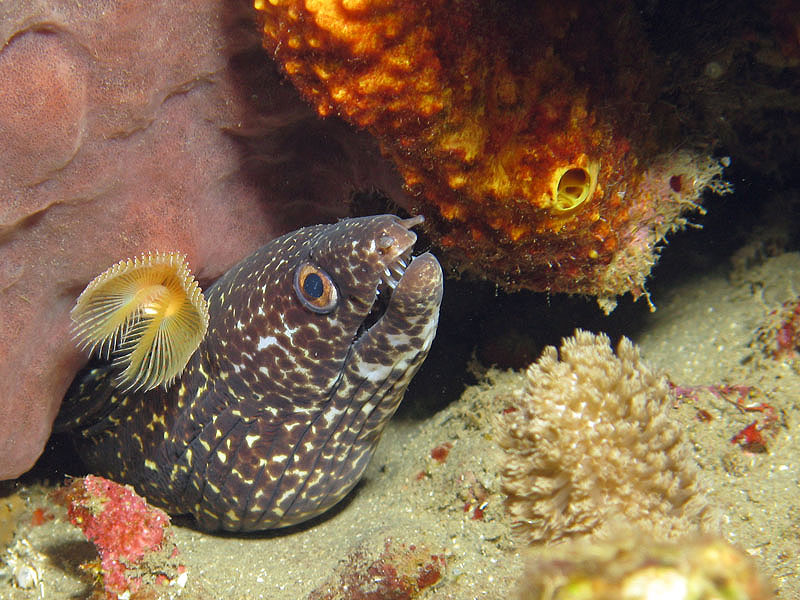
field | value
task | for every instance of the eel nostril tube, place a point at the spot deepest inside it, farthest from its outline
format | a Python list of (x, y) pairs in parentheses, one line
[(412, 221)]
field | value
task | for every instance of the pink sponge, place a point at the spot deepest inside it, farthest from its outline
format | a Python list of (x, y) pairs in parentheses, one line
[(131, 126)]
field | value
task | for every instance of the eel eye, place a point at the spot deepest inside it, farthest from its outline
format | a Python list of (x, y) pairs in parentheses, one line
[(315, 289)]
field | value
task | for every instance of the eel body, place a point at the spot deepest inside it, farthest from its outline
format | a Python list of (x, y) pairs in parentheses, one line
[(312, 341)]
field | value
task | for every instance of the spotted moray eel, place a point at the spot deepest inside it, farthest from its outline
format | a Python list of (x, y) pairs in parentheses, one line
[(278, 412)]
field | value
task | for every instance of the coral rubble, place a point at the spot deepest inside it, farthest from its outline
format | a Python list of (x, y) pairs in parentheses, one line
[(779, 336), (132, 538), (590, 445), (400, 572), (522, 131)]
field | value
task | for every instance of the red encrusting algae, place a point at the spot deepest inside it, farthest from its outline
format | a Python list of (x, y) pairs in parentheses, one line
[(751, 437), (440, 452), (131, 537), (400, 572)]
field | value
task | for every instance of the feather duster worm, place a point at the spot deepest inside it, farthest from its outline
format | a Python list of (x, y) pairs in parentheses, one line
[(524, 131), (147, 313)]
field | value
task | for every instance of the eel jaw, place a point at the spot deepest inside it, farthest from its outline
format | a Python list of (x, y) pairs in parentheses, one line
[(396, 248), (406, 311)]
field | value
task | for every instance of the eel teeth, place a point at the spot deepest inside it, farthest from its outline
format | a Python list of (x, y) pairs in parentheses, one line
[(394, 271), (388, 279)]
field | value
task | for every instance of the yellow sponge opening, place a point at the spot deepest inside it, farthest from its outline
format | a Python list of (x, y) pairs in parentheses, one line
[(573, 186)]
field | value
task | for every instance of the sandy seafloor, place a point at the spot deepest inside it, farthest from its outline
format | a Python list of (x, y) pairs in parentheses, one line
[(705, 332)]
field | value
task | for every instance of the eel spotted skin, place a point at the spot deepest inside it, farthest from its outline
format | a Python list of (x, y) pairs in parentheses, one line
[(311, 343)]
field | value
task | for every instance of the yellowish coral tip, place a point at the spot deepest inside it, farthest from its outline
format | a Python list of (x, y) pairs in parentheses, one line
[(148, 313)]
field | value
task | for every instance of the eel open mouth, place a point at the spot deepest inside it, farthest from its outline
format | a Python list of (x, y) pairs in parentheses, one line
[(399, 257)]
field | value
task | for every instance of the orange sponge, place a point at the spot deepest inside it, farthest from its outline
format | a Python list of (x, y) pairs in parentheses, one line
[(523, 131)]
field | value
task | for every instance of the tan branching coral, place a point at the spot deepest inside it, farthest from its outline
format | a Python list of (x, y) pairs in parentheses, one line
[(590, 445)]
